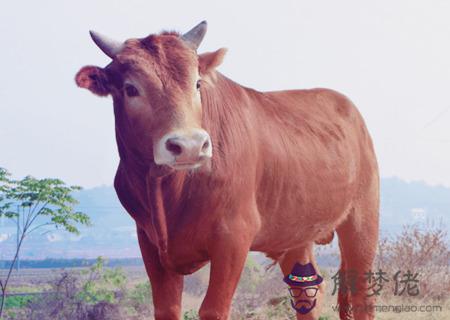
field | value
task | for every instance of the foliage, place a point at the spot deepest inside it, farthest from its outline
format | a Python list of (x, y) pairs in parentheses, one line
[(190, 315), (420, 249), (17, 301), (256, 286), (33, 204), (95, 293), (280, 308), (141, 295), (65, 301), (101, 283), (31, 198), (5, 203)]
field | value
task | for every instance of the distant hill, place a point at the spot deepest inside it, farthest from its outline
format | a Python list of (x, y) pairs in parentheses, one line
[(412, 202), (113, 232), (50, 263)]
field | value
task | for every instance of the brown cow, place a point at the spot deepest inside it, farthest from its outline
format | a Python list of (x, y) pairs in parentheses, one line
[(210, 169)]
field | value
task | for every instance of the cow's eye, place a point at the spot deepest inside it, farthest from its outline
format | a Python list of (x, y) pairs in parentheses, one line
[(131, 90), (199, 84)]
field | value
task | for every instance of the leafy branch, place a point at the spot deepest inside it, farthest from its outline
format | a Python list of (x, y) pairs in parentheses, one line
[(34, 204)]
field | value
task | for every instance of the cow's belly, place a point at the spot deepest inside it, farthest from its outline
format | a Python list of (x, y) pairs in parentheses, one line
[(298, 213), (188, 267), (186, 259), (279, 237)]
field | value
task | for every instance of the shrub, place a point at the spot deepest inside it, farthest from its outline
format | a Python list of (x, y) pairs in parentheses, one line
[(96, 293), (190, 315), (418, 249), (17, 301)]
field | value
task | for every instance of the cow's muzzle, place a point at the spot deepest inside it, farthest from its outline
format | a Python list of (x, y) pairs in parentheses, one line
[(183, 150)]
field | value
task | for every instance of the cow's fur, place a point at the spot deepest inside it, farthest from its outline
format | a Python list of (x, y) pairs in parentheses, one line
[(288, 169)]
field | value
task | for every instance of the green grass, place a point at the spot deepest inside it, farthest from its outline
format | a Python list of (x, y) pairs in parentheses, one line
[(17, 301), (190, 315)]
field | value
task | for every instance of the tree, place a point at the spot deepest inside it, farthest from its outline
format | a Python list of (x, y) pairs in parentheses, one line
[(33, 204)]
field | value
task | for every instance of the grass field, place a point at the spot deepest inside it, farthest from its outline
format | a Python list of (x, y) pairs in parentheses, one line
[(99, 292), (254, 298)]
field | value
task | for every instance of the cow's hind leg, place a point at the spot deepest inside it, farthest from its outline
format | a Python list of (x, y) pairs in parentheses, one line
[(358, 238), (304, 255)]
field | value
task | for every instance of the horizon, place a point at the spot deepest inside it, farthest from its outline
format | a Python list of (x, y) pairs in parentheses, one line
[(111, 185), (113, 231)]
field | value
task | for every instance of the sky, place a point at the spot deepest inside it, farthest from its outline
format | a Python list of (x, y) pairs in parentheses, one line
[(392, 58)]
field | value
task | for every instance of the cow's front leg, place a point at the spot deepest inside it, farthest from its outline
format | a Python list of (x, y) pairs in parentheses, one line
[(167, 286), (228, 256)]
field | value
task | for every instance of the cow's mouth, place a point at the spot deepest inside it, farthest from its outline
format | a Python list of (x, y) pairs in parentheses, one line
[(186, 165)]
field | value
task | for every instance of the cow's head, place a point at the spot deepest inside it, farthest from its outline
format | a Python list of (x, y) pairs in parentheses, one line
[(155, 84)]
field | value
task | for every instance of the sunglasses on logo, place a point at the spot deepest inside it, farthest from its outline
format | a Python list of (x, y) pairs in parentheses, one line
[(310, 292)]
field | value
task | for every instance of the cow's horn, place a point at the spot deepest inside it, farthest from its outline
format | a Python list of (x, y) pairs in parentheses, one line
[(109, 46), (195, 36)]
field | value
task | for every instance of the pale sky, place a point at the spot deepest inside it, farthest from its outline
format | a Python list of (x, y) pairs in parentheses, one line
[(392, 58)]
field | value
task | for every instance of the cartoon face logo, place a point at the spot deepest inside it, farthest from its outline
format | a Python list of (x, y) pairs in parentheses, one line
[(303, 306), (303, 284)]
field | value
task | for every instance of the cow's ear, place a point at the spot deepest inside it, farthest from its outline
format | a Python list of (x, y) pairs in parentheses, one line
[(210, 60), (94, 79)]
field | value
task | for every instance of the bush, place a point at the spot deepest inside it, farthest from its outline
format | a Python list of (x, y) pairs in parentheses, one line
[(139, 301), (423, 250), (190, 315), (17, 301), (96, 293)]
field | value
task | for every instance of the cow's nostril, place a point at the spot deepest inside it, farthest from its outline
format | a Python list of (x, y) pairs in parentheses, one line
[(205, 146), (174, 147)]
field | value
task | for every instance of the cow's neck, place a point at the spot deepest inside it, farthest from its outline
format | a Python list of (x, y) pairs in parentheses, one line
[(148, 210), (229, 112)]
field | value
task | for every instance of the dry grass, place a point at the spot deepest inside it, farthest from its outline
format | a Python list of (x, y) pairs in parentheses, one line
[(419, 249), (262, 294)]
